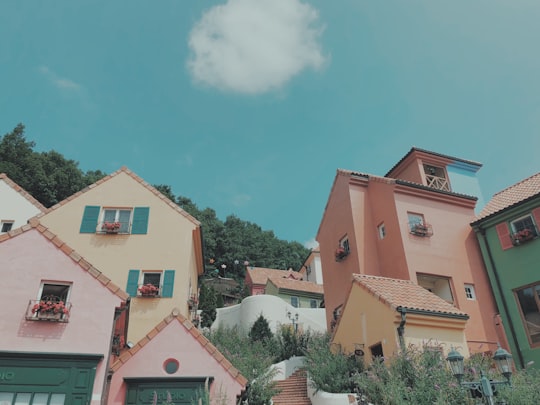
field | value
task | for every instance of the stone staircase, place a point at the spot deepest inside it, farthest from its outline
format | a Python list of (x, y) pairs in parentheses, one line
[(293, 390)]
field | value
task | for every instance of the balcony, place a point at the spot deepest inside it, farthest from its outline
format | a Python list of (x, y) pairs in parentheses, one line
[(341, 253), (439, 183), (49, 308), (525, 235), (423, 230)]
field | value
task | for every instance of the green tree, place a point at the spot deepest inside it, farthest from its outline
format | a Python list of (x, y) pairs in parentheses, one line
[(260, 331), (208, 304)]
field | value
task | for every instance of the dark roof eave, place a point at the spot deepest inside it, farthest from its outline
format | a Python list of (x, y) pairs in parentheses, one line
[(431, 313), (422, 187)]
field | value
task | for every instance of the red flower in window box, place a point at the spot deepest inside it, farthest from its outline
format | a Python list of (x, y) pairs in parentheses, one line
[(148, 290), (112, 227), (340, 253), (50, 307), (523, 236)]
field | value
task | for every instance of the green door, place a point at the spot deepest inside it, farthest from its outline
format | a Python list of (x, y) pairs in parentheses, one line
[(182, 390)]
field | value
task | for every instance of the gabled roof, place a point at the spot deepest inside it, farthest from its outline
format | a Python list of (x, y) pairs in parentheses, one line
[(511, 196), (175, 316), (259, 275), (68, 251), (22, 192), (297, 285), (139, 180), (406, 294)]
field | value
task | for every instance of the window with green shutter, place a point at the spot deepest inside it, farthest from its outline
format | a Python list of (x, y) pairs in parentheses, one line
[(90, 219)]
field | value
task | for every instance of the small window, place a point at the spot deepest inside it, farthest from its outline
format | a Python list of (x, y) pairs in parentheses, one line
[(438, 285), (343, 249), (469, 292), (529, 304), (6, 226), (150, 284), (52, 303), (523, 229), (344, 243), (377, 351), (382, 231), (417, 225), (294, 302), (116, 220), (313, 303), (436, 177)]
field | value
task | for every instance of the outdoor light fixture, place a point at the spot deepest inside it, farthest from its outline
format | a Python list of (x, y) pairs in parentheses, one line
[(485, 386), (294, 320)]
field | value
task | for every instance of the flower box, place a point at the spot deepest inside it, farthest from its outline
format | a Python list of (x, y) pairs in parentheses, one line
[(148, 290), (523, 236), (341, 253), (111, 227), (48, 309), (421, 229)]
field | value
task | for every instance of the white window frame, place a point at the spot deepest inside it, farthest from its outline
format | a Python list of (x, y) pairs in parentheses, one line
[(123, 228), (441, 286), (414, 218), (518, 224), (470, 293), (345, 244)]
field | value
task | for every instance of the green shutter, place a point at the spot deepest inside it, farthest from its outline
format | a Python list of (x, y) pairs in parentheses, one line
[(133, 282), (140, 220), (90, 219), (168, 283)]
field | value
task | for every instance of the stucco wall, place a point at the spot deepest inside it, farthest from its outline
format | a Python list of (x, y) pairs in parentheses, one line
[(26, 261), (167, 245), (14, 206), (274, 310)]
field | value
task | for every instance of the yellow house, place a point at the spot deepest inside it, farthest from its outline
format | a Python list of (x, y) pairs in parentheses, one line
[(399, 313), (139, 239)]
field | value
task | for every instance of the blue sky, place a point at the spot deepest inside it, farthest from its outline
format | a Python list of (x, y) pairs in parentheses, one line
[(250, 106)]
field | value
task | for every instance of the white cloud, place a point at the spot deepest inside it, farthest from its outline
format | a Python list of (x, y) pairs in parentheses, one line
[(311, 244), (60, 82), (255, 46)]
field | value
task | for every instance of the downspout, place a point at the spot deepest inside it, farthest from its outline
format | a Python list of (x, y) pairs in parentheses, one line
[(505, 304), (401, 327)]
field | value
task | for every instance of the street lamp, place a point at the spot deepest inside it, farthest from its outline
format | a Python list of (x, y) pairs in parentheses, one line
[(502, 359), (294, 320)]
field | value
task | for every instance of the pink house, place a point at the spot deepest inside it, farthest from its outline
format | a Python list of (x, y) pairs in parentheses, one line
[(173, 360), (56, 321), (411, 224)]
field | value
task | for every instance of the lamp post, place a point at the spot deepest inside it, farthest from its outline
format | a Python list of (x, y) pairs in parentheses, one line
[(294, 320), (484, 386)]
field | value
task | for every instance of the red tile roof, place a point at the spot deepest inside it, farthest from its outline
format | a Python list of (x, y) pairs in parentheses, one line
[(406, 294), (259, 275), (297, 285), (68, 251), (512, 195), (197, 335), (22, 192)]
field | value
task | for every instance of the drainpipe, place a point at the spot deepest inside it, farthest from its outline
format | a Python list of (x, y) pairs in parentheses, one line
[(401, 327), (505, 304)]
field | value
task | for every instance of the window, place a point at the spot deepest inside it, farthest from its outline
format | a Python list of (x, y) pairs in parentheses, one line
[(377, 351), (313, 303), (344, 243), (529, 304), (523, 229), (60, 291), (469, 292), (31, 399), (150, 283), (52, 303), (438, 285), (382, 231), (417, 225), (294, 302), (124, 220), (6, 226)]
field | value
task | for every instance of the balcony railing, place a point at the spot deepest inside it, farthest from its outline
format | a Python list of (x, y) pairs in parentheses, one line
[(48, 309), (424, 230), (341, 253), (440, 183)]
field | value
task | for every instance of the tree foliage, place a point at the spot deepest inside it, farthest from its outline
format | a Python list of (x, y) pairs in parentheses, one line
[(208, 305), (260, 331), (228, 245)]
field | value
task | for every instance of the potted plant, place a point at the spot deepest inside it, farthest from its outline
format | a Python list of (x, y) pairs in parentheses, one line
[(111, 227), (523, 235), (50, 308), (340, 253), (148, 290), (420, 229)]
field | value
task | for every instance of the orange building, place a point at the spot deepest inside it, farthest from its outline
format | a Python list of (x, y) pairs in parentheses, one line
[(411, 224)]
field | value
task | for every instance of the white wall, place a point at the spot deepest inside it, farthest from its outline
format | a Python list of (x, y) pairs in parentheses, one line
[(274, 309), (14, 207)]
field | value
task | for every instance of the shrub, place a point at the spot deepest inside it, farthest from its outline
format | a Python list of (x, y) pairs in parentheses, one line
[(260, 331), (291, 343)]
